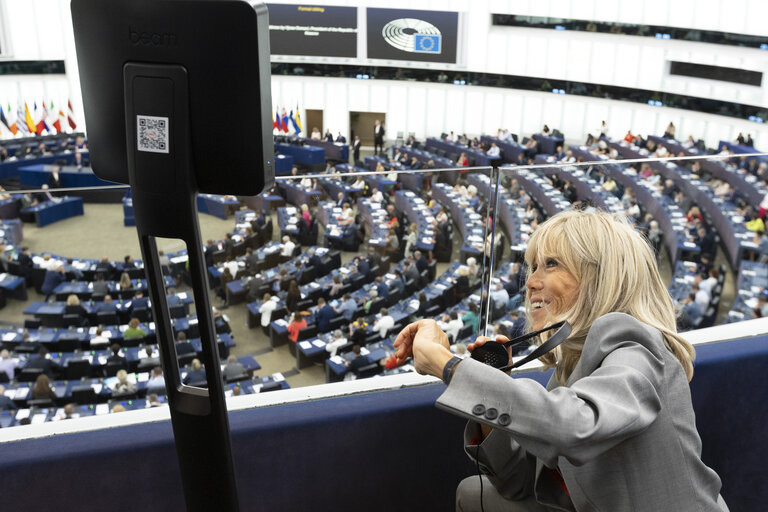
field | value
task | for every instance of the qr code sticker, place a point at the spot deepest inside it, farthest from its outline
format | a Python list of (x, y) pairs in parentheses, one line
[(152, 134)]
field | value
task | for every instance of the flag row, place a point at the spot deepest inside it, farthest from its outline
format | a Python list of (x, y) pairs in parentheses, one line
[(37, 121), (281, 121)]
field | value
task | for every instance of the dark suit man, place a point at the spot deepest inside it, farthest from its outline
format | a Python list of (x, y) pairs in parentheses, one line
[(340, 138), (325, 313), (381, 287), (315, 260), (421, 261), (107, 306), (251, 260), (115, 358), (378, 137), (356, 150), (107, 268), (412, 272), (363, 266), (52, 279), (5, 402), (25, 258), (359, 361), (139, 301), (48, 366)]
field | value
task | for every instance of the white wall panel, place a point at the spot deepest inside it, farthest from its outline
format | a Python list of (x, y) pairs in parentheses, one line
[(656, 12), (513, 113), (454, 109), (556, 58), (552, 111), (652, 67), (619, 120), (474, 106), (576, 70), (601, 68), (644, 120), (536, 63), (532, 121), (733, 16), (417, 112), (626, 65), (358, 96), (681, 13), (572, 123), (501, 54), (492, 115), (436, 110), (597, 112), (397, 111), (378, 97), (336, 111)]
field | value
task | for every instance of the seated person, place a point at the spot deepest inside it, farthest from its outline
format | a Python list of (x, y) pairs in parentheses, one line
[(156, 382), (42, 389), (348, 307), (471, 317), (100, 286), (74, 307), (384, 324), (338, 341), (359, 360), (139, 301), (123, 385), (358, 331), (297, 324), (133, 330), (52, 279), (287, 247), (195, 376), (49, 367), (451, 324), (116, 356), (99, 340), (233, 368)]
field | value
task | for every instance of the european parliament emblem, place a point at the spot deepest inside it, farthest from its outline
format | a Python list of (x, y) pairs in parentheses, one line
[(427, 43), (413, 35)]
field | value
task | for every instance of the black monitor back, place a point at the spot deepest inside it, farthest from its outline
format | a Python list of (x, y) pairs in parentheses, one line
[(224, 47)]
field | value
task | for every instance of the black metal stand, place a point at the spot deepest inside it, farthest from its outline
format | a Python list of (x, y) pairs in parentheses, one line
[(164, 201)]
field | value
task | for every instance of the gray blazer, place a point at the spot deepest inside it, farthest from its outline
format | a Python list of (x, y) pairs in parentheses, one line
[(622, 431)]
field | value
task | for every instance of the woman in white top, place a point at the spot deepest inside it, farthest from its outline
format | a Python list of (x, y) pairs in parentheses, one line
[(451, 324), (411, 238), (267, 307), (359, 184)]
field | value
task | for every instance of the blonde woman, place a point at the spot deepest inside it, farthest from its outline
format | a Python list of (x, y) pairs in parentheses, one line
[(411, 238), (614, 429), (123, 385), (125, 281)]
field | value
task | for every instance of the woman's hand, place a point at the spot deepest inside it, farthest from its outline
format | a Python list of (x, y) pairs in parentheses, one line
[(427, 344)]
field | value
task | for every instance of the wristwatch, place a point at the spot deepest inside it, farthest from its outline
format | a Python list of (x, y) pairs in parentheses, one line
[(448, 369)]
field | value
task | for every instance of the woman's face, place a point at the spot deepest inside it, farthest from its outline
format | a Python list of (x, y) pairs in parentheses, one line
[(551, 289)]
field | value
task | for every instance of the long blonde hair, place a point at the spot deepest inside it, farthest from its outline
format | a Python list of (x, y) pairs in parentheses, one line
[(616, 271)]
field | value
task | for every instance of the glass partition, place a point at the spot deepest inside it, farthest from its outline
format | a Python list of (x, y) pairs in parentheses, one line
[(337, 258)]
